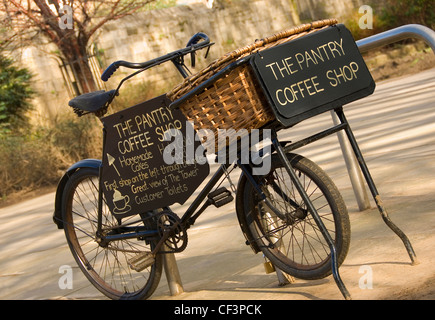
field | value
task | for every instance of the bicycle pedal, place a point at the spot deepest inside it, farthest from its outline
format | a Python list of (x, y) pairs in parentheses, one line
[(141, 261), (220, 197)]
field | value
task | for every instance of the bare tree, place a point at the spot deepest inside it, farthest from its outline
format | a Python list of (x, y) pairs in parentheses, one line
[(69, 24)]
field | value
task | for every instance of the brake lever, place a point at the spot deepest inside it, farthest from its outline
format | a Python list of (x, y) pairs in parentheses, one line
[(192, 59), (208, 50)]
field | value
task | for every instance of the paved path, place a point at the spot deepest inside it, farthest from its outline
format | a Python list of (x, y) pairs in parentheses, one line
[(395, 129)]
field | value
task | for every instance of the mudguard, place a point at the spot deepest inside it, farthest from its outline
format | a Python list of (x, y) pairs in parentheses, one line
[(243, 195), (240, 211), (86, 163)]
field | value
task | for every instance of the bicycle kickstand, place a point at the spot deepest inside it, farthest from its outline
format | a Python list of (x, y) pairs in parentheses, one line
[(374, 191), (334, 264)]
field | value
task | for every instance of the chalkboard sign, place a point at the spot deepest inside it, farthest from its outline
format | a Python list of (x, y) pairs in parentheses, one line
[(136, 177), (313, 74)]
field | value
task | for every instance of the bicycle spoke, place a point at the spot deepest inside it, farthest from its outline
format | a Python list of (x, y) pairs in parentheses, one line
[(106, 263), (293, 237)]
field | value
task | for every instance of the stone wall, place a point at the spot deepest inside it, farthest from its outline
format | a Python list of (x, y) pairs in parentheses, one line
[(147, 35), (321, 9), (151, 34)]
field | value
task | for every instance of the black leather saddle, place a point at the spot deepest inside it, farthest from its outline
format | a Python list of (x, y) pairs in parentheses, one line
[(92, 102)]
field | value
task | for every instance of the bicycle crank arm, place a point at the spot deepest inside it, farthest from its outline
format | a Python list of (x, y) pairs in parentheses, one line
[(104, 241), (168, 235)]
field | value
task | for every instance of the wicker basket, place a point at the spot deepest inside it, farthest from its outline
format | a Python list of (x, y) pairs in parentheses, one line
[(236, 100)]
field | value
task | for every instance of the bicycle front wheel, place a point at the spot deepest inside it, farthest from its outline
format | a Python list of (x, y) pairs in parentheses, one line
[(106, 267), (292, 241)]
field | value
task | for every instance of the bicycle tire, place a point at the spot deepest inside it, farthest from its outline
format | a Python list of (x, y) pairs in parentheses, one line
[(105, 267), (296, 246)]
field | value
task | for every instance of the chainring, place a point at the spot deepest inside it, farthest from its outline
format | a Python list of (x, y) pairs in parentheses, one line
[(169, 225)]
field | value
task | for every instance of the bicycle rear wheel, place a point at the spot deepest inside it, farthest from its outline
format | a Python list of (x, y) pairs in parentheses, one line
[(293, 241), (106, 267)]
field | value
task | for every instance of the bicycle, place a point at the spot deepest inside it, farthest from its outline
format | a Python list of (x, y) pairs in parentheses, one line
[(293, 214)]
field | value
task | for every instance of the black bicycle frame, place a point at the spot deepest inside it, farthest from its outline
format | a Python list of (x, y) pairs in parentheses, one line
[(190, 215), (194, 210)]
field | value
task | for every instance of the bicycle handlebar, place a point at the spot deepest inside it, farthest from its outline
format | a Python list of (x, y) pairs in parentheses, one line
[(191, 47), (115, 65)]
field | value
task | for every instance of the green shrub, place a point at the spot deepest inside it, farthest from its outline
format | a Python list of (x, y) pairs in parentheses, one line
[(39, 158), (15, 95), (75, 138), (27, 163), (400, 12), (393, 14)]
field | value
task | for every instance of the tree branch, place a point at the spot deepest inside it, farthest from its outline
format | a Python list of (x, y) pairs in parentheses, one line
[(28, 12)]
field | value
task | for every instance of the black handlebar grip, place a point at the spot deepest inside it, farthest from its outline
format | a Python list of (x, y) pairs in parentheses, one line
[(109, 71), (196, 37)]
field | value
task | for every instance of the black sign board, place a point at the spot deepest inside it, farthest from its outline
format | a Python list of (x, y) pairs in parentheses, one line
[(315, 73), (136, 176)]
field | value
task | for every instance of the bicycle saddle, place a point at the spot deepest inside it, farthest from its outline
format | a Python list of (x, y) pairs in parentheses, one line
[(91, 102)]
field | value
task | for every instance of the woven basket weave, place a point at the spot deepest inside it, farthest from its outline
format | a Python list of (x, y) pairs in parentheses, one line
[(235, 101)]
